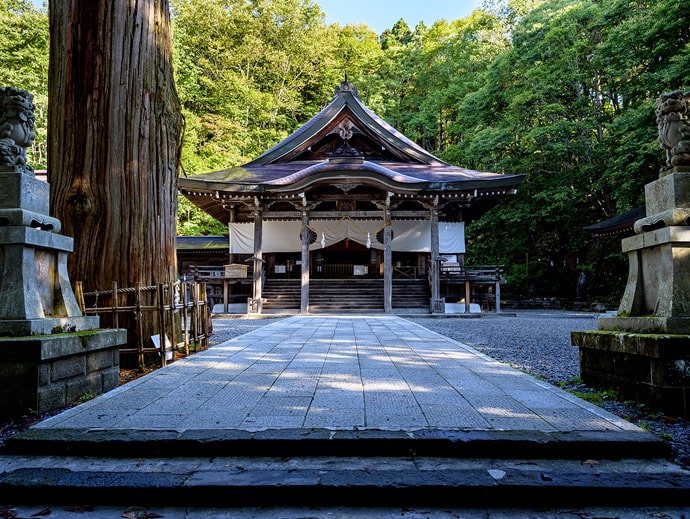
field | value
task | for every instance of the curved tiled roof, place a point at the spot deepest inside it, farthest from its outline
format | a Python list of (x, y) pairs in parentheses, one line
[(386, 157)]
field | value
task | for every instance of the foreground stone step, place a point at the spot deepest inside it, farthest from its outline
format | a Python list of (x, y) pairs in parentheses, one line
[(341, 481), (573, 445)]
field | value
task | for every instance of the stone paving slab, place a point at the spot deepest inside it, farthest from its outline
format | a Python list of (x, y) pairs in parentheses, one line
[(373, 372), (340, 372)]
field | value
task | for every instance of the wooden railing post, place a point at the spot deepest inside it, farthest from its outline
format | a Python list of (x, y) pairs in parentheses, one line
[(79, 293), (114, 306), (204, 317), (138, 317)]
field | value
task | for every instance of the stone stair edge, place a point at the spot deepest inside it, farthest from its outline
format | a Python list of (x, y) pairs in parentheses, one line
[(238, 485), (323, 442)]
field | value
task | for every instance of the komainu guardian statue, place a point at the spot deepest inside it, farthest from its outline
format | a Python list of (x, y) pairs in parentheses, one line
[(16, 127), (672, 111)]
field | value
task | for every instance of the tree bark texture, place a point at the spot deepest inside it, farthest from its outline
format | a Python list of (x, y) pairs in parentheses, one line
[(114, 134)]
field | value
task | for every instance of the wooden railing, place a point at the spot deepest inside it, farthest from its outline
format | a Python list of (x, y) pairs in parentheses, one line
[(406, 272), (341, 270), (159, 319), (478, 273)]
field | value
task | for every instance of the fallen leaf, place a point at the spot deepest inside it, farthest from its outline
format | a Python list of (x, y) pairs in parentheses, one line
[(45, 511), (80, 509), (134, 512), (8, 513)]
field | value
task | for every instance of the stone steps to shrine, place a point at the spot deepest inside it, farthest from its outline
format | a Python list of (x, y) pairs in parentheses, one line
[(340, 295), (334, 295), (281, 294), (302, 467)]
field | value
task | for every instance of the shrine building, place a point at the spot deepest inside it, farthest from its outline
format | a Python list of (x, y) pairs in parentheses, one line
[(349, 214)]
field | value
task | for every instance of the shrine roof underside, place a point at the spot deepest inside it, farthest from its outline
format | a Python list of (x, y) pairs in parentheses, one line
[(345, 153)]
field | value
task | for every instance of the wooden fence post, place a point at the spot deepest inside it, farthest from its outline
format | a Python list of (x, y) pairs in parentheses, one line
[(138, 317), (79, 293)]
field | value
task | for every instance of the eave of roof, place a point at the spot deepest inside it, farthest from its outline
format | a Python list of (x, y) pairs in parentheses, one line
[(193, 243), (617, 225), (251, 180)]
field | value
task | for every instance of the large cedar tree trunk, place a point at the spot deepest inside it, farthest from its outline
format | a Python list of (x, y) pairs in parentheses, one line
[(114, 132)]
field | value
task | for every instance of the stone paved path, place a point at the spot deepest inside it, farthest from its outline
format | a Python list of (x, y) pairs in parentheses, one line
[(341, 373)]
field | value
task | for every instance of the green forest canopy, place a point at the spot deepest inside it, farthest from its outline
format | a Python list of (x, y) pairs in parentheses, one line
[(560, 90)]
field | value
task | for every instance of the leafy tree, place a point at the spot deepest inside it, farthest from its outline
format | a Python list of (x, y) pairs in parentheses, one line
[(644, 49), (249, 72), (24, 63), (545, 122), (399, 34), (571, 104)]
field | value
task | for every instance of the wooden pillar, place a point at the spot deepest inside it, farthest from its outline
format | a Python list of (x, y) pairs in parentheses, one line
[(231, 220), (387, 258), (468, 295), (437, 304), (256, 306), (304, 297), (498, 294)]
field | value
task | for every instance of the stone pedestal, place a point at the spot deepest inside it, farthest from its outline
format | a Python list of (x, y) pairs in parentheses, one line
[(653, 369), (644, 351), (44, 373)]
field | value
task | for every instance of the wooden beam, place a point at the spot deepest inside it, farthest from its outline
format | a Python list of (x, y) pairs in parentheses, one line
[(297, 215)]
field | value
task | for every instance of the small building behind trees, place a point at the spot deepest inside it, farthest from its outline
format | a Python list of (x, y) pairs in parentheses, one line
[(348, 213)]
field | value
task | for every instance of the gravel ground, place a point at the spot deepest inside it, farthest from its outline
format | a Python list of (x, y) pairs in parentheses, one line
[(534, 341)]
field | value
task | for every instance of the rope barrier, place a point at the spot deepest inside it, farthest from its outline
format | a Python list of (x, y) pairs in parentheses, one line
[(97, 293)]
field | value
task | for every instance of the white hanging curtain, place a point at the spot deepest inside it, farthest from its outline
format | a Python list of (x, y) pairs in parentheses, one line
[(451, 237), (409, 236), (241, 238), (335, 231)]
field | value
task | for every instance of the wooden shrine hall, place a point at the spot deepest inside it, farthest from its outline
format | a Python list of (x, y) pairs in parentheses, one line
[(347, 202)]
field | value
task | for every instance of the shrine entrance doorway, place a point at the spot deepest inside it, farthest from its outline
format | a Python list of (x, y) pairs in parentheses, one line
[(346, 259)]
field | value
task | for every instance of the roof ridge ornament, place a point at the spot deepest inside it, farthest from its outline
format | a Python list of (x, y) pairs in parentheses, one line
[(346, 86), (346, 153)]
